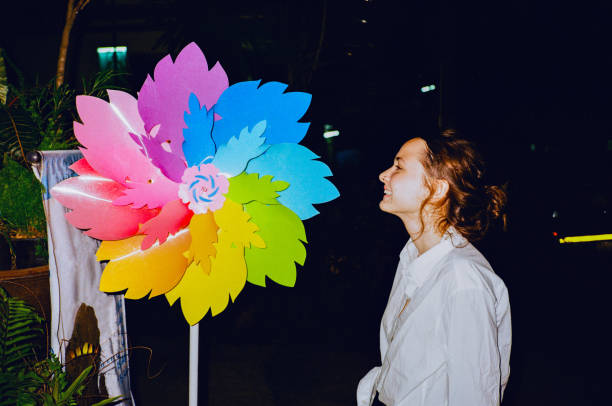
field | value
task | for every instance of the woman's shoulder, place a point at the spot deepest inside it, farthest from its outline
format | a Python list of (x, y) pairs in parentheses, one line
[(465, 268)]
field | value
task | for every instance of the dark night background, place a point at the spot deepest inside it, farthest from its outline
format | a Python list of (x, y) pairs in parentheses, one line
[(528, 81)]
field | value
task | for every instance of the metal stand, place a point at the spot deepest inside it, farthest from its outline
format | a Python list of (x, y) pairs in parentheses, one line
[(194, 342)]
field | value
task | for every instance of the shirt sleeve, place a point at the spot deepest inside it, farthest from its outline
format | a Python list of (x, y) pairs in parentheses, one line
[(472, 351), (366, 386)]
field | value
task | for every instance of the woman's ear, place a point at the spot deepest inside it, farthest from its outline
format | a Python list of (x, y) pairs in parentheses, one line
[(440, 190)]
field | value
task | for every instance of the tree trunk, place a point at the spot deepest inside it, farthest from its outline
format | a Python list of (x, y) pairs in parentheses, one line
[(71, 13), (63, 50)]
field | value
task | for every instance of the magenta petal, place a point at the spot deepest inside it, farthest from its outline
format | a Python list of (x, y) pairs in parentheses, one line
[(164, 99), (90, 197), (171, 165)]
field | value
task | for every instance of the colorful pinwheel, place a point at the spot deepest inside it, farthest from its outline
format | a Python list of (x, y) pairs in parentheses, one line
[(195, 187)]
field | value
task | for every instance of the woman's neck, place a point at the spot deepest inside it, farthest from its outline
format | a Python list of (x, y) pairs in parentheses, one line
[(423, 234)]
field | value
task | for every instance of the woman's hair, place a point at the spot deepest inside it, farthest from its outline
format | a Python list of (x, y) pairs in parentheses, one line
[(470, 206)]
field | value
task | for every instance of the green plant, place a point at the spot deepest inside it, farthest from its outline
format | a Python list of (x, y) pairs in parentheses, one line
[(34, 117), (23, 380), (19, 330), (21, 209), (41, 116)]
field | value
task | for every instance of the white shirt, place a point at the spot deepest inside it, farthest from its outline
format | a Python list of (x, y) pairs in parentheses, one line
[(451, 343)]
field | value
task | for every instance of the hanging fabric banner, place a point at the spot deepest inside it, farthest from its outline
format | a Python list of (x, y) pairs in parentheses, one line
[(87, 326)]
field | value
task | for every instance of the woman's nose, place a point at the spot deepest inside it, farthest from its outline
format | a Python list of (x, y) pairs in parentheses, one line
[(383, 176)]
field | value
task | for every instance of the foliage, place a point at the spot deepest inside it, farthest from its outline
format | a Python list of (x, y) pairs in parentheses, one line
[(21, 207), (33, 117), (19, 329), (23, 381), (40, 117)]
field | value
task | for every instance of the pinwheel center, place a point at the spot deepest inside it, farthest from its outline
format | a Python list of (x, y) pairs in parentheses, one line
[(203, 188)]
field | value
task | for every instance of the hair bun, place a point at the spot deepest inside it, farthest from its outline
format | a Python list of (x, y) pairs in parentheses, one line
[(497, 200)]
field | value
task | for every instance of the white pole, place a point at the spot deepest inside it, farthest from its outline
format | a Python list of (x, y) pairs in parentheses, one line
[(194, 343)]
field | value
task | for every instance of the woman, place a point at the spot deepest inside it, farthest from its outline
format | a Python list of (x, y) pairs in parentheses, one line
[(445, 335)]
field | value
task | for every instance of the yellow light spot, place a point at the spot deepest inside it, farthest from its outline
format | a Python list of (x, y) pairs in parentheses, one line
[(585, 238)]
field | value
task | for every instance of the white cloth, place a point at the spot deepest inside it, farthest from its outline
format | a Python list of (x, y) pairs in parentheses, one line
[(451, 343), (74, 278)]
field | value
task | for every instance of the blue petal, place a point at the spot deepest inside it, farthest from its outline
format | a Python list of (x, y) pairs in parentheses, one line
[(295, 164), (234, 156), (245, 104), (198, 143)]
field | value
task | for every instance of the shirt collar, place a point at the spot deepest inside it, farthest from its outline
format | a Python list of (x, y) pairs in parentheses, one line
[(419, 266)]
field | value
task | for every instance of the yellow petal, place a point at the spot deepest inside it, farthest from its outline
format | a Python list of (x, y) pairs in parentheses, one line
[(156, 270), (203, 231), (236, 227), (200, 290)]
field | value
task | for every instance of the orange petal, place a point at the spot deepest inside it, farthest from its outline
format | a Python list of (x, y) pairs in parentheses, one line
[(156, 270)]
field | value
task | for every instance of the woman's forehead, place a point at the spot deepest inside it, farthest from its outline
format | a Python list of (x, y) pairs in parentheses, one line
[(414, 148)]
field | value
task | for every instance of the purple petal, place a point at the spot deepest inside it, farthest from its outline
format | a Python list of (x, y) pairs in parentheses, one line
[(164, 98)]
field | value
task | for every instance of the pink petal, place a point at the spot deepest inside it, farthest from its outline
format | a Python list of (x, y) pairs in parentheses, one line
[(150, 194), (90, 197), (82, 167), (173, 217), (164, 99), (110, 150)]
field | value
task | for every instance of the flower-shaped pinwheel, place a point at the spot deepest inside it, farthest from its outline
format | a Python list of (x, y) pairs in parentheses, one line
[(195, 187)]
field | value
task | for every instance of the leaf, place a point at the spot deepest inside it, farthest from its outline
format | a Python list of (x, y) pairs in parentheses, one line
[(198, 144), (76, 386), (233, 157), (296, 165), (19, 330), (173, 217), (202, 289), (246, 188), (245, 104), (203, 231), (210, 284), (283, 233), (149, 194), (90, 196), (164, 99), (235, 226), (170, 162), (156, 270), (111, 152), (108, 401)]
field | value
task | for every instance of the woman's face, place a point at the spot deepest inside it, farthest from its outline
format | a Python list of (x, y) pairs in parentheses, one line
[(404, 188)]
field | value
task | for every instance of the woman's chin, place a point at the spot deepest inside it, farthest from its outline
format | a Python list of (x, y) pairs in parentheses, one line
[(384, 205)]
